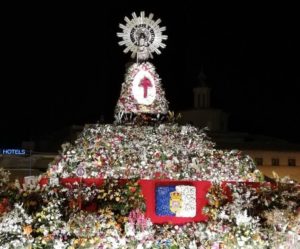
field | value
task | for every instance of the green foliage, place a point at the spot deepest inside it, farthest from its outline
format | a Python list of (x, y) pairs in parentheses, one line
[(121, 196)]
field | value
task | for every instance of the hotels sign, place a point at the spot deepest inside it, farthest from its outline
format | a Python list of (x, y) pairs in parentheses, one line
[(17, 152)]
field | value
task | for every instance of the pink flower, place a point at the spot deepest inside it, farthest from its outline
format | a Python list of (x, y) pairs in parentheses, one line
[(138, 219), (216, 245)]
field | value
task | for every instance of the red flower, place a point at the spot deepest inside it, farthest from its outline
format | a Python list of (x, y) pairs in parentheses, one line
[(5, 201), (132, 189), (4, 205), (2, 208)]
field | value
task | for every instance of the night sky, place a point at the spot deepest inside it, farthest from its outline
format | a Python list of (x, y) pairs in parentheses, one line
[(62, 66)]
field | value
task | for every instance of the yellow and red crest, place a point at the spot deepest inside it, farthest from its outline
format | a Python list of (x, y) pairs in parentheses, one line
[(175, 201)]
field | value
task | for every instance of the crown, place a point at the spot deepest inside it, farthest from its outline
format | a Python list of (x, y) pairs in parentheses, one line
[(175, 196)]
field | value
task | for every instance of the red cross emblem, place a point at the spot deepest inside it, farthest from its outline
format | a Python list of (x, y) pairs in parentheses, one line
[(145, 83)]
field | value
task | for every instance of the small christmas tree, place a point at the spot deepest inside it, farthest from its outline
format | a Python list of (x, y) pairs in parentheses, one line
[(49, 226), (15, 229)]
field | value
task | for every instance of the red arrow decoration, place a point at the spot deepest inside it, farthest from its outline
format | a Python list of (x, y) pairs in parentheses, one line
[(145, 83)]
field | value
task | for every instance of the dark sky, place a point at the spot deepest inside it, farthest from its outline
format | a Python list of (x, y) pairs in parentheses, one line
[(62, 66)]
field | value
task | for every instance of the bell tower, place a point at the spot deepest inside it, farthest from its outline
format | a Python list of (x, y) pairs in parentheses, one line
[(202, 92), (202, 114)]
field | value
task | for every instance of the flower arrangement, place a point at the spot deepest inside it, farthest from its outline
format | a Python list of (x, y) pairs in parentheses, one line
[(262, 216), (255, 216), (121, 197), (139, 230), (93, 230), (49, 226), (285, 228), (149, 152), (128, 104), (84, 224), (241, 214), (4, 178), (16, 229)]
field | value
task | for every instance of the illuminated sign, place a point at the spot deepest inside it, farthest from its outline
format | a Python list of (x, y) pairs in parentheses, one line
[(12, 152)]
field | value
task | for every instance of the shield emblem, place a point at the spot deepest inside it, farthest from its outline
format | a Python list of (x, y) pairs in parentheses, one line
[(175, 201)]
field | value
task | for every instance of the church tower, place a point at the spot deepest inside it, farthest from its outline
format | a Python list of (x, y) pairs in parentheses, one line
[(202, 92), (202, 114)]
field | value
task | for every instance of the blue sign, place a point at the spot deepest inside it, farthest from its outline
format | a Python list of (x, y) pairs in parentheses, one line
[(17, 152), (163, 196)]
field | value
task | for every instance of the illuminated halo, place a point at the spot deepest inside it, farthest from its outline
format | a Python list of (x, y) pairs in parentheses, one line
[(142, 26)]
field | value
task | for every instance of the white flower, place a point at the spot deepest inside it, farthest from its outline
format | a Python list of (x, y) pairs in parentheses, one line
[(58, 244), (223, 215), (140, 246), (129, 230), (149, 244), (241, 242), (141, 235), (193, 245), (242, 218)]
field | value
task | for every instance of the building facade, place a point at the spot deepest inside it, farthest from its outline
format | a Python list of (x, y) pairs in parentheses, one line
[(270, 154), (283, 162)]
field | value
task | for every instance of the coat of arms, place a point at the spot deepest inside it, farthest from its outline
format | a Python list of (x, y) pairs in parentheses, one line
[(175, 201)]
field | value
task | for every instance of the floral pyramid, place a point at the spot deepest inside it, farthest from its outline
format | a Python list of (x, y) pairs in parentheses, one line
[(145, 146), (149, 152), (145, 143)]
